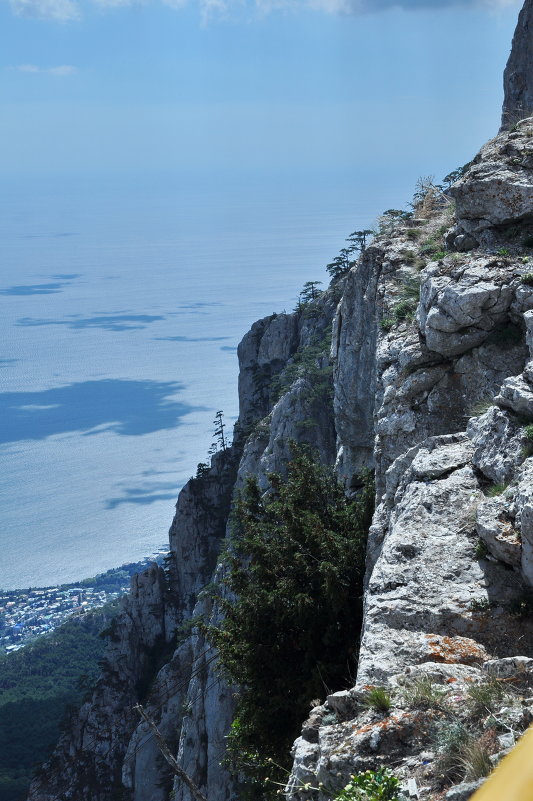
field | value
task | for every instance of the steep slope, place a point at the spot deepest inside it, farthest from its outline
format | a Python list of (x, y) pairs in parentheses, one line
[(518, 78), (432, 380), (449, 557), (157, 655)]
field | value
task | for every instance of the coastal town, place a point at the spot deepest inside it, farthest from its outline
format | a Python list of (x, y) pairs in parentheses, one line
[(29, 613)]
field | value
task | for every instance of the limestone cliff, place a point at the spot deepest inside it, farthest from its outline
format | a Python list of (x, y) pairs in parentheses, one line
[(518, 78), (430, 365)]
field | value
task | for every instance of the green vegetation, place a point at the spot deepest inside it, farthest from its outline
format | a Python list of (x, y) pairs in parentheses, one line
[(495, 490), (311, 362), (451, 739), (475, 760), (408, 299), (484, 698), (342, 264), (480, 604), (295, 565), (528, 431), (379, 785), (378, 698), (422, 693), (455, 175), (386, 323), (481, 549), (527, 450), (480, 407), (430, 247), (112, 580), (38, 685)]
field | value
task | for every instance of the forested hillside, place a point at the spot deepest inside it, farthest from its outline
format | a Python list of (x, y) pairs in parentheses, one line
[(39, 686)]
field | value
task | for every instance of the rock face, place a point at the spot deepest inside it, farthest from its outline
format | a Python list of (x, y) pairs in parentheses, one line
[(518, 77), (428, 380), (494, 197), (157, 656)]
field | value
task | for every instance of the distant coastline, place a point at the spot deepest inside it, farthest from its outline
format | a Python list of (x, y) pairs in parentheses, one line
[(29, 613)]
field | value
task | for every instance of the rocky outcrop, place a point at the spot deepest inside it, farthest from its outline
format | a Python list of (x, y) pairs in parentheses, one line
[(494, 198), (428, 380), (157, 654), (518, 76), (449, 554)]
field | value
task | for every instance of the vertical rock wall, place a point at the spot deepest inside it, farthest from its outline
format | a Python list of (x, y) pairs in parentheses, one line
[(518, 77)]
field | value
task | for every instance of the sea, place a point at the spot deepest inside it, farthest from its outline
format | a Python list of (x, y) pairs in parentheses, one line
[(123, 299)]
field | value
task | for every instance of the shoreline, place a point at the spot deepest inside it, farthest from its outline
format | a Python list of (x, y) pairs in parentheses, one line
[(32, 612)]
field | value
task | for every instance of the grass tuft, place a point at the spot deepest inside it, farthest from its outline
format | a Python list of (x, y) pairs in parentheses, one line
[(422, 693), (378, 698)]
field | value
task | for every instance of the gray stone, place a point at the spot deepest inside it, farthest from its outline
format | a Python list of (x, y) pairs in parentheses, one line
[(458, 314), (463, 791), (517, 395), (497, 188), (524, 517), (498, 442), (497, 532), (510, 667), (518, 76)]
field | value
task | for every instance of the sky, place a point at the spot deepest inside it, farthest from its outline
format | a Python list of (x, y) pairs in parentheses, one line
[(132, 87)]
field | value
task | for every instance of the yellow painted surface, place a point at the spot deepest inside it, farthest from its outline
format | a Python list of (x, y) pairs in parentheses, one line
[(513, 778)]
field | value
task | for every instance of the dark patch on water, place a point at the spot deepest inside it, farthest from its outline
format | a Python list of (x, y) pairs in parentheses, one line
[(109, 322), (66, 276), (33, 289), (151, 493), (190, 339), (129, 408), (58, 235), (229, 348), (5, 362)]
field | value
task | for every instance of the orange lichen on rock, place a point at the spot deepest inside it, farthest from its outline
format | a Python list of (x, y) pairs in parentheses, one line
[(455, 650), (382, 725)]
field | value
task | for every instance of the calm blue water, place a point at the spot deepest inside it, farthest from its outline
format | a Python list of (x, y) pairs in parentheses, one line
[(121, 307)]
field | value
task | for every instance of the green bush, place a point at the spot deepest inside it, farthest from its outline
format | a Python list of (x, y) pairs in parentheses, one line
[(379, 785), (294, 566), (527, 278)]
